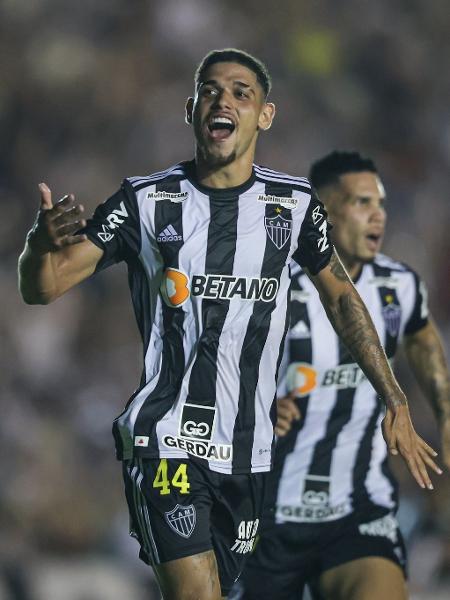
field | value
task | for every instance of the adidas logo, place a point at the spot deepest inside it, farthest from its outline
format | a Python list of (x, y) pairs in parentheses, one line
[(300, 331), (169, 234)]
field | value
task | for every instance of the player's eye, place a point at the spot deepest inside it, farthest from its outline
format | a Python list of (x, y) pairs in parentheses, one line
[(241, 94)]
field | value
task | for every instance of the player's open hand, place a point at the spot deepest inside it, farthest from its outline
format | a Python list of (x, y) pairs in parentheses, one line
[(401, 438), (287, 411), (56, 226)]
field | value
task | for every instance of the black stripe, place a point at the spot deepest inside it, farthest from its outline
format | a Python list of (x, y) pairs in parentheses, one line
[(360, 497), (163, 180), (339, 416), (221, 248), (388, 297), (173, 361), (256, 335), (299, 351), (282, 192)]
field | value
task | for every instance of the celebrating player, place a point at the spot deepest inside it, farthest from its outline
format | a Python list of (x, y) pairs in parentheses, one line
[(333, 524), (208, 244)]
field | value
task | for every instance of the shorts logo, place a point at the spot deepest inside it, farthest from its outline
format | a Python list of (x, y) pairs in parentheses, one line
[(174, 287), (278, 229), (385, 527), (245, 541), (182, 519), (301, 378), (392, 315), (197, 422)]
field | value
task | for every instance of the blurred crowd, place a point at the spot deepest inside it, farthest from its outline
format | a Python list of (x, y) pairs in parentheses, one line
[(93, 91)]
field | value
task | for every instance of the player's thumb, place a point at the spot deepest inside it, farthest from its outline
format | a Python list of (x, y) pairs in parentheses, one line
[(46, 197), (389, 435)]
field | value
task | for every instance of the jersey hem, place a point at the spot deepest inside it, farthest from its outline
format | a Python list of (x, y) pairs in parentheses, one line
[(184, 456)]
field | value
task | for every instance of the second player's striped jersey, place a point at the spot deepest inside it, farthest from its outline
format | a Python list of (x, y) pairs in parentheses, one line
[(334, 460), (209, 277)]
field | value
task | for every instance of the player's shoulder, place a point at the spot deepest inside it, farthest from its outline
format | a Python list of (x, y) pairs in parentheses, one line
[(395, 266), (267, 175), (176, 172)]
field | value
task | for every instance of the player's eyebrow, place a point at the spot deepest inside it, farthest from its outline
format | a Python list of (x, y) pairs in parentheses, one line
[(214, 82)]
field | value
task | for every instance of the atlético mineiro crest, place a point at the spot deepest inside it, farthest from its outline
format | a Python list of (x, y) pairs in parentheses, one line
[(392, 315), (278, 229), (182, 519)]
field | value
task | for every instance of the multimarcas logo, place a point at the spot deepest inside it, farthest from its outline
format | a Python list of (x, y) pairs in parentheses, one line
[(176, 287)]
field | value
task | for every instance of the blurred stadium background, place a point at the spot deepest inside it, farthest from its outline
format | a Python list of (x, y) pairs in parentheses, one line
[(94, 91)]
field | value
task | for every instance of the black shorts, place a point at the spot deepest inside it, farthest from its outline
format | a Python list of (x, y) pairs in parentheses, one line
[(179, 508), (290, 555)]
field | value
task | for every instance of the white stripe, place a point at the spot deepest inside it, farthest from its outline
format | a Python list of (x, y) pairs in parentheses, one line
[(146, 516), (378, 485), (175, 170), (171, 229), (143, 537), (281, 177), (273, 173)]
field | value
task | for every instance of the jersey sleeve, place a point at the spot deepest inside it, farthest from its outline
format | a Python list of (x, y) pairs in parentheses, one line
[(115, 227), (420, 312), (314, 248)]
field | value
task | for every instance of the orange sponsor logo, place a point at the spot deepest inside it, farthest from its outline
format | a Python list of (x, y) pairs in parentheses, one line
[(175, 287), (302, 378)]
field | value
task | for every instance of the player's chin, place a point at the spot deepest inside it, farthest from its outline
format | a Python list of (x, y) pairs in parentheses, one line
[(218, 157)]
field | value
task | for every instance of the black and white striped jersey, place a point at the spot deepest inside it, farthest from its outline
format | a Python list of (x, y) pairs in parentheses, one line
[(209, 278), (334, 460)]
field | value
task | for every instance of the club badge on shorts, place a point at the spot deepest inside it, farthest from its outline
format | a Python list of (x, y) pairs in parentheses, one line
[(182, 519)]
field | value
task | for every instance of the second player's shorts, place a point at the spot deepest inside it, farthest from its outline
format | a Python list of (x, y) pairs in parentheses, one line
[(290, 555), (179, 508)]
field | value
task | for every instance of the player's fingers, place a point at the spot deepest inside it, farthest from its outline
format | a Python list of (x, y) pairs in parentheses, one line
[(426, 447), (70, 214), (46, 197), (421, 466), (413, 468), (70, 240), (289, 405), (62, 206), (70, 228), (429, 461)]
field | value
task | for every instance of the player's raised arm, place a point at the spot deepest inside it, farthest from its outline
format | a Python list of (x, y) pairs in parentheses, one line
[(426, 358), (352, 322), (55, 258)]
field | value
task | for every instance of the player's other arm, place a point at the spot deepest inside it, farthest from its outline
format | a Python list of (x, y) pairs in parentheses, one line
[(352, 322), (426, 357), (55, 258)]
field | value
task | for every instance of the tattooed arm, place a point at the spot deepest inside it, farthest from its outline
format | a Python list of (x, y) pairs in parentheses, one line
[(352, 322), (426, 358)]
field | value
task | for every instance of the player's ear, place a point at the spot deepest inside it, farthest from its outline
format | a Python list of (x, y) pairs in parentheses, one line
[(266, 116), (188, 110)]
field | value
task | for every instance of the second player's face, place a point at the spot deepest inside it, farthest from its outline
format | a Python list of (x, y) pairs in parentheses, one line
[(227, 112), (358, 216)]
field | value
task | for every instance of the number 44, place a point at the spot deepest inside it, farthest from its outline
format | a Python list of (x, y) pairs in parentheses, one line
[(179, 480)]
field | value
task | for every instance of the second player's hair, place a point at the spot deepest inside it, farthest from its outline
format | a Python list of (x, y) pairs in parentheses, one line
[(327, 170), (236, 56)]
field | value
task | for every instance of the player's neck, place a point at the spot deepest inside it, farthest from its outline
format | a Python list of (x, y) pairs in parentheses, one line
[(352, 266), (229, 176)]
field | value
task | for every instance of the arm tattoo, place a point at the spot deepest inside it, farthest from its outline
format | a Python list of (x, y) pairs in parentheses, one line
[(427, 359), (337, 269), (353, 324)]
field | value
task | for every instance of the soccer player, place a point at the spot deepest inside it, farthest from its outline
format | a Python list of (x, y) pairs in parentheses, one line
[(208, 244), (331, 499)]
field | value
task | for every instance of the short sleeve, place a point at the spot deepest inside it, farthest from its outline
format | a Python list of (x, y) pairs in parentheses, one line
[(420, 312), (115, 227), (314, 248)]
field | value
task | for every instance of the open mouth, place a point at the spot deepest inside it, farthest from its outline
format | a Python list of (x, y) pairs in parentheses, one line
[(220, 128), (374, 240)]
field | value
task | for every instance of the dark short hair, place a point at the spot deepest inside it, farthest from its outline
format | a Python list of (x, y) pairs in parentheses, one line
[(327, 170), (236, 56)]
